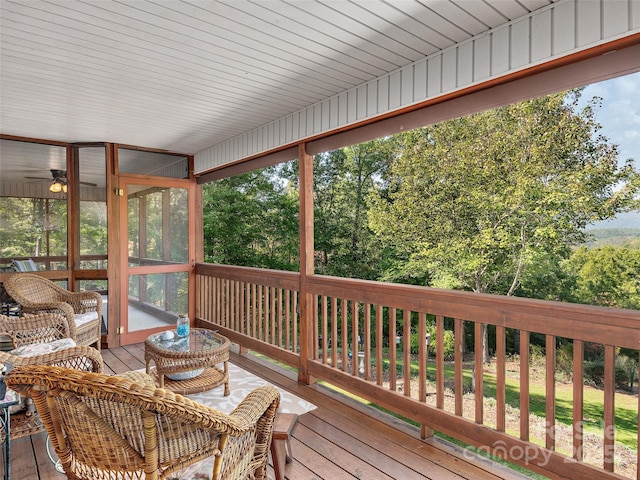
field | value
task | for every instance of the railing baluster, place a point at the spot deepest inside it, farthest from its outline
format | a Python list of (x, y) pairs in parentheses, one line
[(334, 332), (294, 327), (550, 390), (266, 301), (287, 319), (524, 385), (275, 319), (233, 303), (215, 299), (314, 350), (379, 336), (355, 328), (325, 329), (422, 357), (344, 342), (440, 362), (609, 406), (254, 310), (226, 302), (244, 307), (478, 368), (578, 399), (261, 316), (392, 348), (458, 359), (280, 315), (367, 341), (230, 304), (501, 373), (406, 351)]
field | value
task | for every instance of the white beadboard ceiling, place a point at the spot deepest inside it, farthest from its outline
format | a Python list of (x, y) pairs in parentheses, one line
[(185, 75)]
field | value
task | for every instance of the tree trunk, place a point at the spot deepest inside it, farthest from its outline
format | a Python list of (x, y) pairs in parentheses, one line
[(485, 344)]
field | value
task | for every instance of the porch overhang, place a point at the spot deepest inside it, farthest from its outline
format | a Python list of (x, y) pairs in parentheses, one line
[(233, 81)]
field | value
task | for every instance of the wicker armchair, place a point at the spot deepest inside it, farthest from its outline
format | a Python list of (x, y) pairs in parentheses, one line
[(41, 329), (124, 427), (37, 294)]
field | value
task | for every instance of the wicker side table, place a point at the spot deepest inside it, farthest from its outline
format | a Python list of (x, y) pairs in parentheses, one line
[(188, 364)]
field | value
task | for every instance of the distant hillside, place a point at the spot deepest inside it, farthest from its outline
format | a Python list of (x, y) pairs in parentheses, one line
[(624, 230), (616, 237)]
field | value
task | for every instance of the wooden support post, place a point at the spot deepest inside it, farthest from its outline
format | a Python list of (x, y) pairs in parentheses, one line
[(305, 168)]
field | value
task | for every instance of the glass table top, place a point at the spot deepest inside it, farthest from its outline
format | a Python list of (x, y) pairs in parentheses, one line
[(199, 339)]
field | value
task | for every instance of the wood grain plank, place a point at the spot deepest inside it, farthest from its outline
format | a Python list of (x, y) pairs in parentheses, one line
[(112, 363), (316, 463), (23, 463), (333, 451), (46, 468), (393, 461)]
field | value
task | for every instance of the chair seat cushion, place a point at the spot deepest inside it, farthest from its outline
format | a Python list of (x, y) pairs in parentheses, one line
[(83, 318), (43, 348)]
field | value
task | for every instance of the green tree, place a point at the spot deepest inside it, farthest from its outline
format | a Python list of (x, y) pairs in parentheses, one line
[(251, 220), (33, 227), (343, 179), (473, 203), (607, 276)]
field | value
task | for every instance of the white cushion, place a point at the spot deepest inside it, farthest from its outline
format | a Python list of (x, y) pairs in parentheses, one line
[(82, 318), (42, 348)]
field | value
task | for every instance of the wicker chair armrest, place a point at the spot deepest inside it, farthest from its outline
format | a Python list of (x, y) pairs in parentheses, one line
[(255, 404), (63, 308), (138, 377), (82, 358), (83, 302), (252, 411), (40, 328)]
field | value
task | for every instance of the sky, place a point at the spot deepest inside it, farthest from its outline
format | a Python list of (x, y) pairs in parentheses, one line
[(620, 120)]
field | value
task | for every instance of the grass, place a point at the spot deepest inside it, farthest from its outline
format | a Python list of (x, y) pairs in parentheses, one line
[(626, 405)]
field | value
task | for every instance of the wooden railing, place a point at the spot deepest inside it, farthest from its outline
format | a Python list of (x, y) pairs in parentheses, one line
[(362, 342)]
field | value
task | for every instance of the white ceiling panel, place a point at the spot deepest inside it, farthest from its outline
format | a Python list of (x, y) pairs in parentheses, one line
[(185, 75)]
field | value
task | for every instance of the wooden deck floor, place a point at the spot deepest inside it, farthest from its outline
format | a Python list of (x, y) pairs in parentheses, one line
[(341, 439)]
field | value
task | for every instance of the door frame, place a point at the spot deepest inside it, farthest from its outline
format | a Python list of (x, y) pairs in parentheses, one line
[(117, 266)]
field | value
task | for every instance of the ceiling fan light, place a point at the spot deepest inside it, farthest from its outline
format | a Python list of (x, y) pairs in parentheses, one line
[(56, 187)]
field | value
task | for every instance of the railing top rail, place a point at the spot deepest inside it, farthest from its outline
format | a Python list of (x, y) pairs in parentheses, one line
[(260, 276), (612, 326)]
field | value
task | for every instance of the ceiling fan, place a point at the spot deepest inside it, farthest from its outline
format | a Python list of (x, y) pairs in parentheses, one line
[(59, 181)]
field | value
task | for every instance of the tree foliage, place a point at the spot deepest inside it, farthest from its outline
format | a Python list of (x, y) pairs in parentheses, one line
[(474, 202), (345, 246), (32, 227), (251, 220), (607, 276)]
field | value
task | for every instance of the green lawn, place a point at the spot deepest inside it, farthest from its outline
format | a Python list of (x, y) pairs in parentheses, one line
[(626, 406)]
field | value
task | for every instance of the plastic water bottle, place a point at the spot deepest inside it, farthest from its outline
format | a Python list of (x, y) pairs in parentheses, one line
[(182, 326)]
